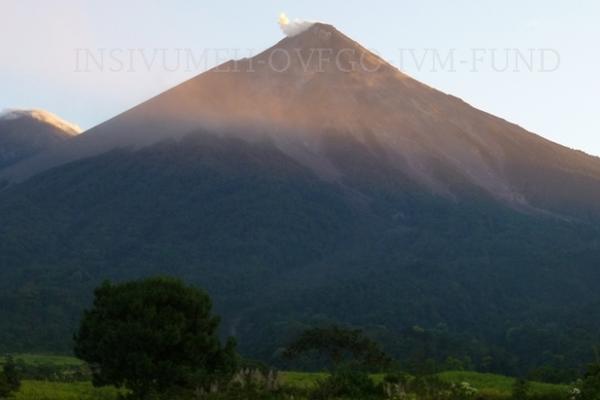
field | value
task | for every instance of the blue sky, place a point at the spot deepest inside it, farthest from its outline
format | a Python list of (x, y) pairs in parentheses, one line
[(43, 46)]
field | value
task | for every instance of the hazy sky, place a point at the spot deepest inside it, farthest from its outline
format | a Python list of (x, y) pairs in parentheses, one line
[(535, 63)]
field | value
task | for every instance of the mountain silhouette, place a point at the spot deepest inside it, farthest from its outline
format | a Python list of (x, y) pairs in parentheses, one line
[(320, 86), (314, 183), (25, 133)]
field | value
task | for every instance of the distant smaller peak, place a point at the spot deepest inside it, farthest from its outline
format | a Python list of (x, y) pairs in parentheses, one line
[(42, 116)]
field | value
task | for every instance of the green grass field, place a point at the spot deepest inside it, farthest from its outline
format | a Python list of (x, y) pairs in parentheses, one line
[(47, 359), (499, 386), (40, 390), (304, 380), (490, 386)]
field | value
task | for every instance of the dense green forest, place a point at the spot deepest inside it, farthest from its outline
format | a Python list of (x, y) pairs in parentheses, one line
[(156, 338), (469, 283)]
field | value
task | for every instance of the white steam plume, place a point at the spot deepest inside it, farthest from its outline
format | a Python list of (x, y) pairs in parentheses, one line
[(295, 27)]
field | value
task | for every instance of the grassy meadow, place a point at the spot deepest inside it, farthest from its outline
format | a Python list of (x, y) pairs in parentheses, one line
[(492, 386), (42, 390), (489, 386)]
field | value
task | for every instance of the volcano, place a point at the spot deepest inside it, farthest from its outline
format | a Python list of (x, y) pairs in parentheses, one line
[(320, 86), (25, 133), (313, 183)]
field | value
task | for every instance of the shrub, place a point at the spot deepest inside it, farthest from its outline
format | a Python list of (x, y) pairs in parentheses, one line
[(10, 381), (345, 383), (520, 390)]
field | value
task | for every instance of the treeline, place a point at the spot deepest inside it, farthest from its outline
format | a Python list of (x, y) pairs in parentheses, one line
[(158, 339)]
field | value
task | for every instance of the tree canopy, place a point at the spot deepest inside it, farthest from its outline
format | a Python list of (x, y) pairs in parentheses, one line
[(153, 335), (339, 344)]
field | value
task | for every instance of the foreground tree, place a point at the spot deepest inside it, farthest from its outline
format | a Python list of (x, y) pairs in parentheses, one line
[(339, 344), (10, 381), (590, 388), (152, 337)]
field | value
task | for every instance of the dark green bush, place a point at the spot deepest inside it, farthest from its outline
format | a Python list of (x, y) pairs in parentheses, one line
[(345, 383), (10, 381)]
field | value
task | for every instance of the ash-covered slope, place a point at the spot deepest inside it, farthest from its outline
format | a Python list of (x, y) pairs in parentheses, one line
[(25, 133), (321, 86)]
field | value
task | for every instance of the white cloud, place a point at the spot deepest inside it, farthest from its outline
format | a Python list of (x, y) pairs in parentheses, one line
[(295, 27)]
